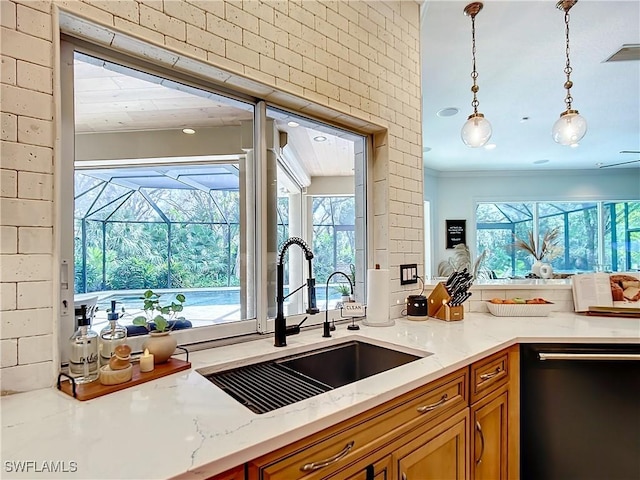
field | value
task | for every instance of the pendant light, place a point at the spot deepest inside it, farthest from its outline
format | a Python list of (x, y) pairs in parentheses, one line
[(571, 126), (477, 130)]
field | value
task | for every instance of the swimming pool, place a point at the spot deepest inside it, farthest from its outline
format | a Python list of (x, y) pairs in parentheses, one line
[(194, 298), (202, 306)]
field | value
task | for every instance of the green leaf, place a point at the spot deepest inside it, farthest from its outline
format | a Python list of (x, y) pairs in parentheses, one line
[(161, 323), (141, 321), (165, 310), (181, 298), (148, 294), (148, 305), (177, 308)]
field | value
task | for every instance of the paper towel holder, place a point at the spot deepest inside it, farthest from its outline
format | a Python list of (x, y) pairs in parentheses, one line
[(384, 323)]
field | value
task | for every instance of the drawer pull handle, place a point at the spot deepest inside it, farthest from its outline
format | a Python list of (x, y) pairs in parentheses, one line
[(589, 356), (404, 476), (433, 406), (479, 429), (487, 376), (310, 467)]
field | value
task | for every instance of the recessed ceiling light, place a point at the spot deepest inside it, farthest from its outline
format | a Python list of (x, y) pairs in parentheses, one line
[(448, 112), (599, 164), (188, 131), (320, 138), (540, 162), (490, 146), (574, 145), (293, 124)]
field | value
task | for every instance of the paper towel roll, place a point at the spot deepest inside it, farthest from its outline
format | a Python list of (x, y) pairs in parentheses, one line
[(377, 297)]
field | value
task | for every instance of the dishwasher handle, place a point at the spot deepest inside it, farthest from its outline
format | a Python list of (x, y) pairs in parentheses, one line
[(590, 356)]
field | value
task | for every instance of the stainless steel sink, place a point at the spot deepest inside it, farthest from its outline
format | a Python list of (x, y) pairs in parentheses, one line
[(347, 363), (266, 386)]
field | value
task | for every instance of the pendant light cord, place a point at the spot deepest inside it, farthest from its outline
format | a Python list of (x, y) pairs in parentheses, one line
[(474, 74), (567, 69)]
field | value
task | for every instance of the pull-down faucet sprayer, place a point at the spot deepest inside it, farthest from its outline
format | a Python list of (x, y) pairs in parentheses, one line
[(281, 330)]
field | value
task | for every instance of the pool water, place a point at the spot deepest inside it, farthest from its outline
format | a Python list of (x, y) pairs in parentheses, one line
[(132, 302), (196, 298)]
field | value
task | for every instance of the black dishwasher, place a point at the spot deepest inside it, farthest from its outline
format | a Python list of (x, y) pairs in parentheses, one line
[(580, 412)]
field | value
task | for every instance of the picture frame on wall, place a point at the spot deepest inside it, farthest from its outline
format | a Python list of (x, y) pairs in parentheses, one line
[(456, 232)]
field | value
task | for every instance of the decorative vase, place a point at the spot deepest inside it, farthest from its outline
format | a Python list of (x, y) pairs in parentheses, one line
[(546, 271), (345, 298), (535, 268), (161, 345)]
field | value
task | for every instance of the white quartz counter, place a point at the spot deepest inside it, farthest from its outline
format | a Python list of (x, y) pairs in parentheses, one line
[(182, 425)]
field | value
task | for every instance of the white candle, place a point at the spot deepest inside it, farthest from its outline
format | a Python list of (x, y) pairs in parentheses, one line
[(146, 361)]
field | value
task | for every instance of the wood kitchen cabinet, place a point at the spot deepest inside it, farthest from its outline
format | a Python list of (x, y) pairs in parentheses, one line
[(233, 474), (462, 426), (348, 450), (494, 432), (488, 444), (367, 470), (440, 453)]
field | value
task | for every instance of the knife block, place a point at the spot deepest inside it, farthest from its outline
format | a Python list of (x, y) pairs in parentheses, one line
[(438, 305)]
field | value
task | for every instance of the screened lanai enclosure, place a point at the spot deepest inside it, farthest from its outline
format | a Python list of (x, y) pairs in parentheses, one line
[(160, 227), (593, 236), (171, 228)]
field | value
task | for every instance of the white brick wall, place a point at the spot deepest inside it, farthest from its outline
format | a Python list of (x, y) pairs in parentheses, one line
[(8, 296), (358, 57), (9, 352)]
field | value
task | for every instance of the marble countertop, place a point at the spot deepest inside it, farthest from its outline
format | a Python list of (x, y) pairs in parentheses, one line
[(183, 426)]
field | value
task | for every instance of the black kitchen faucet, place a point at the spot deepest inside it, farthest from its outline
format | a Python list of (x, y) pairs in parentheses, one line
[(281, 329)]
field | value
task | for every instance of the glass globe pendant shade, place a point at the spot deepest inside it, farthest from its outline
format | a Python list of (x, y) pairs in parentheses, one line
[(569, 128), (476, 131)]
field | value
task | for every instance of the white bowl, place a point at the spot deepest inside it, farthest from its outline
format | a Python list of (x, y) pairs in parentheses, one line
[(521, 309)]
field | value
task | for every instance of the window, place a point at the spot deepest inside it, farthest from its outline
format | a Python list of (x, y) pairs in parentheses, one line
[(497, 224), (622, 235), (581, 245), (167, 188), (318, 168), (163, 228), (333, 234)]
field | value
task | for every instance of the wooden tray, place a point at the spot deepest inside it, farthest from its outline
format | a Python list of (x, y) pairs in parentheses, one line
[(87, 391), (630, 312)]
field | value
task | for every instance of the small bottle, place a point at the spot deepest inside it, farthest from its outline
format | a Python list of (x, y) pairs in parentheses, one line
[(111, 336), (83, 358)]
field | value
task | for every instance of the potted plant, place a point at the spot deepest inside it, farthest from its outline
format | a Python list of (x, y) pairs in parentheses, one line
[(547, 249), (345, 291), (159, 319)]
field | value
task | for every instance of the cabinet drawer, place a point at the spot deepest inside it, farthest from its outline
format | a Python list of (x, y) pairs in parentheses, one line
[(489, 374), (323, 454)]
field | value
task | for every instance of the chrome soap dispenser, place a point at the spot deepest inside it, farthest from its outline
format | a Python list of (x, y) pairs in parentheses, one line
[(111, 336)]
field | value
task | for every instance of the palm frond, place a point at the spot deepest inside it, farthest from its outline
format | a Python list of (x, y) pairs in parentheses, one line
[(546, 248), (460, 260)]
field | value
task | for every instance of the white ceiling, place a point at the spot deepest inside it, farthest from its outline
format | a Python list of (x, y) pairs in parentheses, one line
[(113, 98), (520, 60)]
